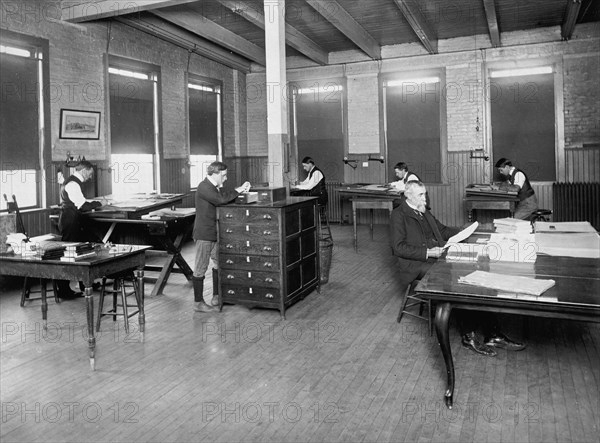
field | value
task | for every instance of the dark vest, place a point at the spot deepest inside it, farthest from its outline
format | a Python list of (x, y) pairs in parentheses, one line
[(408, 173), (526, 190), (64, 196), (320, 190)]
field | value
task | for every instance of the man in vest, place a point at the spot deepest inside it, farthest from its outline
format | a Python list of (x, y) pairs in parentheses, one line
[(72, 222), (314, 184), (516, 180), (404, 176)]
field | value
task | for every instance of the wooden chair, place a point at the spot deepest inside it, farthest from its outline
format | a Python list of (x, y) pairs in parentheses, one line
[(410, 300), (119, 292), (325, 230)]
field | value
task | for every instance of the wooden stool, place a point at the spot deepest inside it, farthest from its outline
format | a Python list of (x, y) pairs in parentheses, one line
[(324, 229), (119, 288), (410, 300), (540, 215), (26, 292)]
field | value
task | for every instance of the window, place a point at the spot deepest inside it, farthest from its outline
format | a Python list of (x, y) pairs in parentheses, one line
[(133, 127), (523, 119), (317, 124), (22, 120), (414, 123), (204, 118)]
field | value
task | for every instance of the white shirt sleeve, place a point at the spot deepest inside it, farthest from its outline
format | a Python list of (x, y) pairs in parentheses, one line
[(311, 182), (73, 190), (399, 185), (519, 179)]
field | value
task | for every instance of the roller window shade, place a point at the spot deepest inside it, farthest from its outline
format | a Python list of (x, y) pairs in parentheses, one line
[(204, 132), (19, 119)]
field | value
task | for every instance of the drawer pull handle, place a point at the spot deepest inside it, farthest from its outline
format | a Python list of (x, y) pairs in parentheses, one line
[(231, 292), (230, 277), (269, 280), (229, 231), (269, 295), (268, 264), (228, 215), (267, 217), (267, 248), (229, 261), (266, 232), (229, 246)]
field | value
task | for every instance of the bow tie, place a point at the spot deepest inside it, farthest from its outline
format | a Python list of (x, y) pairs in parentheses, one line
[(419, 213)]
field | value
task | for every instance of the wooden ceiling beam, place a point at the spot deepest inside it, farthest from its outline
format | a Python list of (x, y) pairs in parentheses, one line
[(570, 19), (293, 37), (182, 38), (211, 31), (87, 10), (419, 24), (342, 20), (492, 21)]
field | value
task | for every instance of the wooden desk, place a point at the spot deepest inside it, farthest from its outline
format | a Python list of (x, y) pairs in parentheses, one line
[(134, 206), (87, 271), (574, 296), (492, 204), (369, 191), (371, 204)]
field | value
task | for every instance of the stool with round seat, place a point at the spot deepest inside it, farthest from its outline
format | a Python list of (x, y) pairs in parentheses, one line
[(120, 289), (409, 300), (540, 215)]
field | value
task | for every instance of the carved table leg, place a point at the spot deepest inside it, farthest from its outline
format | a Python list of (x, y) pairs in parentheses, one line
[(442, 317), (89, 299), (139, 273)]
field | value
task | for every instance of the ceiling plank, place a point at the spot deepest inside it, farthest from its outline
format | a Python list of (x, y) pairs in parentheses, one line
[(419, 24), (293, 37), (570, 19), (342, 20), (209, 30), (492, 21), (173, 34), (86, 11)]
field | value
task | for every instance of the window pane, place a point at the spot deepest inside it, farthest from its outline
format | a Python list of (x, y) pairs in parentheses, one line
[(22, 184), (522, 111), (204, 118), (413, 129), (198, 167), (132, 173)]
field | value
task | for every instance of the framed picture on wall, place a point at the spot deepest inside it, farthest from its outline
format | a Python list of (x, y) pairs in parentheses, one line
[(79, 125)]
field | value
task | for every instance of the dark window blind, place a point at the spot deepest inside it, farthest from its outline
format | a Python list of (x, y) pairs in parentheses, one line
[(131, 115), (320, 132), (19, 118), (413, 130), (523, 120), (203, 115)]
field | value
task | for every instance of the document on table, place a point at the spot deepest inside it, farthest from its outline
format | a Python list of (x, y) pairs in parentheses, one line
[(508, 283), (465, 233)]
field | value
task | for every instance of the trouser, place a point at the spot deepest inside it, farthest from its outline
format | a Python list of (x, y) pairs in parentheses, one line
[(206, 251), (526, 207)]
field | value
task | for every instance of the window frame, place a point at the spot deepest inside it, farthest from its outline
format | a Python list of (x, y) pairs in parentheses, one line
[(41, 49), (439, 72)]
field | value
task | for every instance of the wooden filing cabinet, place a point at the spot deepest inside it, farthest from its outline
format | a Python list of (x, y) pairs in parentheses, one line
[(268, 252)]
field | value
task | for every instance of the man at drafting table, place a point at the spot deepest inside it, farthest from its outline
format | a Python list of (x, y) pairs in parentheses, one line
[(404, 176), (418, 239), (516, 180), (314, 184)]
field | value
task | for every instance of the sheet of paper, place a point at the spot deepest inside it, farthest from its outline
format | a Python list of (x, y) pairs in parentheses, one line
[(465, 233)]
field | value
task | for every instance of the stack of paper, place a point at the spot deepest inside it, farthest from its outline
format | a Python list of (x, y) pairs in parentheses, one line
[(515, 247), (509, 283), (512, 225), (468, 252), (567, 239)]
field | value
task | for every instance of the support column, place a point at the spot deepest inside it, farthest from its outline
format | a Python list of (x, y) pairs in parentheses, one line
[(277, 111)]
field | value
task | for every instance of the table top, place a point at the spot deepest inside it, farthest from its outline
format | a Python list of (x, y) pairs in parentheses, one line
[(370, 190), (133, 206)]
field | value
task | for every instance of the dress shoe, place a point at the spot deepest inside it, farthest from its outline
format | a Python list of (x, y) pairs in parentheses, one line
[(472, 342), (499, 340), (215, 300), (69, 295), (203, 307)]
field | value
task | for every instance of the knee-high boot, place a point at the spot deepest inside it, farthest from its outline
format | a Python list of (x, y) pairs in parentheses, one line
[(201, 305), (215, 297)]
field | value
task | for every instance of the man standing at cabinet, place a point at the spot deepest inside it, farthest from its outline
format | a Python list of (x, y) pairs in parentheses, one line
[(209, 195)]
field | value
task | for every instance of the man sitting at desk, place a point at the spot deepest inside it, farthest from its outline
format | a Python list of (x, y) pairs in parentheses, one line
[(417, 240), (516, 180), (72, 223), (209, 195), (404, 176), (314, 184)]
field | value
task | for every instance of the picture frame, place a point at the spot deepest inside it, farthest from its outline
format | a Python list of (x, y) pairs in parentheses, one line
[(79, 125)]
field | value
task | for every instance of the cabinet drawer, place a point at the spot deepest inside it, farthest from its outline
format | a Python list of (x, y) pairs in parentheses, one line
[(249, 262), (249, 231), (250, 278), (249, 247), (232, 293), (258, 215)]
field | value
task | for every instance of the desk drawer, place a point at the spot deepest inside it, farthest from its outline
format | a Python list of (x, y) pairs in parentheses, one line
[(266, 295), (259, 215), (250, 278), (249, 231), (249, 262), (249, 247)]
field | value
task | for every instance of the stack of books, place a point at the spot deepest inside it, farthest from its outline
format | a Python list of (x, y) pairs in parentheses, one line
[(78, 251), (512, 226), (51, 250)]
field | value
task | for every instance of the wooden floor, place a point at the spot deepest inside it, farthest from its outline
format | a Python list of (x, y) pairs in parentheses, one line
[(338, 369)]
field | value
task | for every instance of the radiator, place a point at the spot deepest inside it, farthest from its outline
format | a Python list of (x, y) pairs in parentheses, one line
[(576, 202), (334, 206)]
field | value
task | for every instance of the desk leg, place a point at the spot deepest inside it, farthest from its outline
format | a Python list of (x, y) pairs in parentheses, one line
[(139, 294), (44, 303), (442, 317), (354, 222), (371, 224), (89, 300)]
